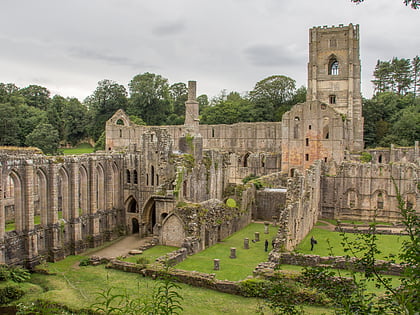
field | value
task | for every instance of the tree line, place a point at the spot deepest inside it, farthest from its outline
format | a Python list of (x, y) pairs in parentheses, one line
[(32, 117)]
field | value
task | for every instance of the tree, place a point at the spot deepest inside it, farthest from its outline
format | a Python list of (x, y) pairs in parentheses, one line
[(407, 127), (179, 95), (228, 109), (7, 91), (415, 66), (269, 95), (75, 120), (37, 96), (149, 98), (108, 97), (9, 128), (415, 4), (44, 137), (382, 74), (401, 74), (203, 102)]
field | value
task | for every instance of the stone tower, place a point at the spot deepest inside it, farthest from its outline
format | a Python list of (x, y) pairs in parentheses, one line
[(191, 107), (334, 76)]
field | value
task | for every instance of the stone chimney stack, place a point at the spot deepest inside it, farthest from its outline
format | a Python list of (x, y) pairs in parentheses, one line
[(191, 107)]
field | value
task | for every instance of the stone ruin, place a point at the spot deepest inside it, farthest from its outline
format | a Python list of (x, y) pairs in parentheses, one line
[(173, 182)]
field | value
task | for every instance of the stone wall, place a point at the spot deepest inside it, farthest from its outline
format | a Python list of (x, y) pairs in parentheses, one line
[(361, 191)]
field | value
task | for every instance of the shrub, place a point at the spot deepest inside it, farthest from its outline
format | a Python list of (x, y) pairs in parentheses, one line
[(255, 287), (10, 293)]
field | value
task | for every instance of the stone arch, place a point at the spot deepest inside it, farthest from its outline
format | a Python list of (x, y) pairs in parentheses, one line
[(352, 199), (326, 128), (132, 205), (148, 217), (83, 190), (14, 192), (246, 158), (41, 196), (296, 127), (135, 226), (64, 194), (100, 187), (173, 231)]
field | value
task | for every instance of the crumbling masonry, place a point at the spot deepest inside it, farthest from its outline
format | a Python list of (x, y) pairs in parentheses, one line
[(183, 184)]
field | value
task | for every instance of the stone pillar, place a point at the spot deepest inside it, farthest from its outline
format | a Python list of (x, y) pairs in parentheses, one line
[(2, 216), (28, 210), (266, 225), (257, 236), (109, 185), (246, 243), (232, 252), (216, 263), (275, 218), (74, 203), (191, 107)]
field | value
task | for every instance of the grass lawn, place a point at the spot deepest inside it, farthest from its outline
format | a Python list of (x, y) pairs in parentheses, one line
[(152, 253), (80, 149), (233, 269), (387, 244), (78, 286)]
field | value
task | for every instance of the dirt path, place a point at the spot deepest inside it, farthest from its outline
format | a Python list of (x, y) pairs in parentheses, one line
[(328, 226), (122, 247)]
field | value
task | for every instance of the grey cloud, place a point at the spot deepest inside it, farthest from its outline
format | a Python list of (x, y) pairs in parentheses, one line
[(272, 55), (169, 28), (84, 53)]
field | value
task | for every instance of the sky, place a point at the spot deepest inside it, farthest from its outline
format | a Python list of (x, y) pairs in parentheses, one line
[(69, 46)]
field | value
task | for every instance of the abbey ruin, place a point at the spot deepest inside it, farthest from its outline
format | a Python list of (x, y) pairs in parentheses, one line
[(172, 182)]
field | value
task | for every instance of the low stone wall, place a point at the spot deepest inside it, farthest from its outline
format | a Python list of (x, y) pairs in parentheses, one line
[(194, 278), (379, 229), (338, 262), (173, 258)]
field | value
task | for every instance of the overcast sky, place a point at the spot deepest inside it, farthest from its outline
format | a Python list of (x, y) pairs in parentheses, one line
[(68, 46)]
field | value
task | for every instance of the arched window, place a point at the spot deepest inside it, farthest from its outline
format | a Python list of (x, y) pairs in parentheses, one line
[(333, 67), (135, 178), (152, 176)]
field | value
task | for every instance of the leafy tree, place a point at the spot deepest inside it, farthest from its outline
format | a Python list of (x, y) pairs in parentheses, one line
[(415, 66), (415, 4), (270, 95), (55, 114), (149, 98), (28, 118), (203, 102), (37, 96), (6, 91), (9, 128), (179, 95), (108, 97), (44, 137), (75, 117), (401, 74), (407, 127), (228, 109), (382, 74)]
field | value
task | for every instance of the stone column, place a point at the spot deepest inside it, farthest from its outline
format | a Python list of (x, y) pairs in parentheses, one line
[(232, 252), (257, 236), (191, 108), (266, 225), (216, 263), (28, 210), (246, 243)]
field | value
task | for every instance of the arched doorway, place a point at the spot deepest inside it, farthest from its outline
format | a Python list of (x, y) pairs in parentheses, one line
[(149, 217), (135, 228)]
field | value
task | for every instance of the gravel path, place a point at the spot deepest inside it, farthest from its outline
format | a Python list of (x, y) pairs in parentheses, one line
[(122, 247)]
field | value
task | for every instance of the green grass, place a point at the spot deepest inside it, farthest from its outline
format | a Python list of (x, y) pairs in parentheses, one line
[(387, 244), (232, 269), (80, 149), (152, 253), (77, 287), (335, 222), (10, 225)]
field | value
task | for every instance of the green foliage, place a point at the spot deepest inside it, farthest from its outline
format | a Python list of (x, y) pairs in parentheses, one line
[(10, 293), (255, 287), (142, 261), (231, 203), (44, 137), (15, 274), (415, 4), (365, 157), (249, 178), (100, 144)]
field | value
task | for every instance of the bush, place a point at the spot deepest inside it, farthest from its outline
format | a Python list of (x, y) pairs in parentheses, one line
[(255, 287), (16, 274), (9, 294)]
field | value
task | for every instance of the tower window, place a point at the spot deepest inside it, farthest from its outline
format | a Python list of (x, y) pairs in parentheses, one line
[(332, 99), (333, 69), (307, 141), (306, 157)]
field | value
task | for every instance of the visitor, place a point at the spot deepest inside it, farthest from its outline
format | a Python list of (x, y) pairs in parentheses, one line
[(313, 242), (266, 246)]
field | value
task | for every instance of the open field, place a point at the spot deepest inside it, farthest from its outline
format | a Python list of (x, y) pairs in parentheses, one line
[(80, 149)]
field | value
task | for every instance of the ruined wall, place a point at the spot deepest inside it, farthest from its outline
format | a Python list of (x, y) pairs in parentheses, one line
[(62, 205), (356, 191)]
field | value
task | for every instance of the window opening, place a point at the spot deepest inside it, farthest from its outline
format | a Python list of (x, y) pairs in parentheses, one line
[(306, 157), (135, 178), (332, 99), (128, 177)]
